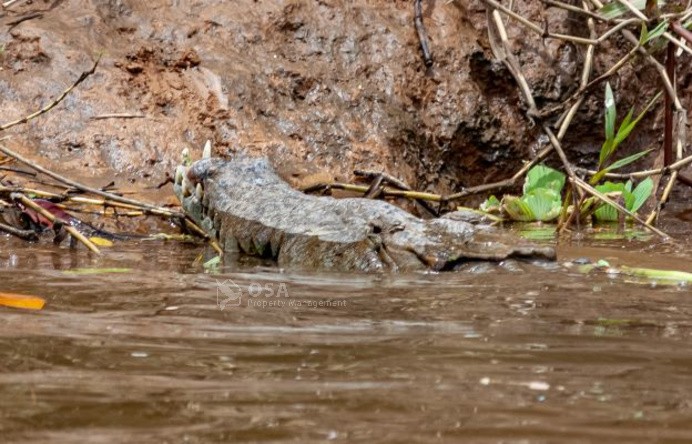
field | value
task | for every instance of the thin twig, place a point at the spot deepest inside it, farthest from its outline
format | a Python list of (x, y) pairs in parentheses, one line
[(664, 198), (386, 191), (668, 108), (118, 116), (55, 102), (659, 67), (48, 215), (69, 198), (23, 19), (422, 34), (505, 54), (640, 15), (682, 31), (113, 197), (642, 174), (537, 29), (372, 175), (29, 235), (592, 191), (572, 8), (617, 28), (387, 178)]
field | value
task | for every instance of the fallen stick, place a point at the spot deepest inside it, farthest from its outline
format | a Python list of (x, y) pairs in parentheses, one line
[(386, 191), (55, 102), (22, 234), (591, 190), (422, 34), (23, 19), (642, 174), (118, 116), (372, 175), (48, 215), (114, 197)]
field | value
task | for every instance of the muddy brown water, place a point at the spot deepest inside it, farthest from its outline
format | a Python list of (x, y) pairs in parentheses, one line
[(147, 354)]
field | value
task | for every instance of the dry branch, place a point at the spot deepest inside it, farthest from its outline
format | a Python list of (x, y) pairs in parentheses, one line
[(48, 215), (55, 102)]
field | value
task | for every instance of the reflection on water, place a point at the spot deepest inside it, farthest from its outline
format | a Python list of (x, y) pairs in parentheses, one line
[(146, 349)]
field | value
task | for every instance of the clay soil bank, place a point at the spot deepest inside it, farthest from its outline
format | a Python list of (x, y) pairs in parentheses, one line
[(321, 87)]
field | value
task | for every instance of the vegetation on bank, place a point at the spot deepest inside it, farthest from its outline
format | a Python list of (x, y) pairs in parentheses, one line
[(565, 194)]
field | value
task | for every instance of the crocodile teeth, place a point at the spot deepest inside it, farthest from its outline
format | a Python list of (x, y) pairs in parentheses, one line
[(186, 186), (206, 152), (186, 159), (179, 174), (199, 192), (205, 199)]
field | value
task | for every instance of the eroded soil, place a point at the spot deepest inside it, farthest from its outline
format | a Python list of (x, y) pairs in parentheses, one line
[(319, 87)]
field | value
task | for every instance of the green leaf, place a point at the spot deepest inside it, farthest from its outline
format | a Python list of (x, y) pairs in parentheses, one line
[(541, 176), (615, 9), (626, 121), (641, 193), (611, 187), (612, 142), (627, 127), (627, 160), (606, 212), (517, 209), (212, 263), (643, 35), (610, 116), (651, 273), (490, 204), (657, 32), (544, 203), (540, 204)]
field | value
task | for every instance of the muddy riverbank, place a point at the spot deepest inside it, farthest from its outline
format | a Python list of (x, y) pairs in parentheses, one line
[(320, 87)]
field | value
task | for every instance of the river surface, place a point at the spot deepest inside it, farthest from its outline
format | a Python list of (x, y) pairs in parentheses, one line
[(144, 345)]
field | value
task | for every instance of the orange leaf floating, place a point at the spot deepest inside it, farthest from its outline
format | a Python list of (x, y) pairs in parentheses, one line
[(21, 301)]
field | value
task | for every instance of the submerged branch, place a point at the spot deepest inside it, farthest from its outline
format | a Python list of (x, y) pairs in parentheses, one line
[(48, 215)]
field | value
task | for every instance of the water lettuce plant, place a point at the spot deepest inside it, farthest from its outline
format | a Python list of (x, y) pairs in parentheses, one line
[(541, 199)]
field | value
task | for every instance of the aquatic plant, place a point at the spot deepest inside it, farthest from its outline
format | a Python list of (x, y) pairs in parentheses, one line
[(542, 192), (541, 199)]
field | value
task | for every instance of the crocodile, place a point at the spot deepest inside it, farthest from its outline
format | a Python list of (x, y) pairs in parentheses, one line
[(249, 209)]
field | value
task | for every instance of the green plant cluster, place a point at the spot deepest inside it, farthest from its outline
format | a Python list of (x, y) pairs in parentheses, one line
[(541, 199)]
